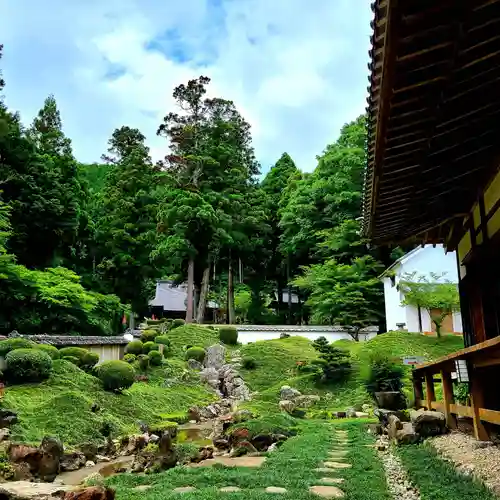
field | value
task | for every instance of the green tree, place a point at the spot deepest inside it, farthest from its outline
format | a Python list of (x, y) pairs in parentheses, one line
[(434, 293), (348, 295), (126, 231)]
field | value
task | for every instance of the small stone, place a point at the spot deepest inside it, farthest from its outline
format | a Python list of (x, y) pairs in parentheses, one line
[(276, 490), (229, 489), (324, 470), (89, 463), (332, 480), (184, 489), (337, 465), (142, 487), (327, 491)]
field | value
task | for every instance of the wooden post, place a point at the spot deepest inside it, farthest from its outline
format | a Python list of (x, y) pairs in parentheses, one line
[(451, 421), (418, 393), (429, 389), (477, 402)]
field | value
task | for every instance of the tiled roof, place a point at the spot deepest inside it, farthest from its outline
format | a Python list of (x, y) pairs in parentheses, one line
[(75, 340)]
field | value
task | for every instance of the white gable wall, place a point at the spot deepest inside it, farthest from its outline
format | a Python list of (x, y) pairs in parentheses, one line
[(422, 261)]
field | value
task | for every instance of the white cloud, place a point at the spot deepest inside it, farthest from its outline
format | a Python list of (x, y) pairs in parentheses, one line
[(296, 69)]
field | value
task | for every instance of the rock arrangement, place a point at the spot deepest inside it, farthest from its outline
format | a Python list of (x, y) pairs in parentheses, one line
[(222, 377), (409, 427)]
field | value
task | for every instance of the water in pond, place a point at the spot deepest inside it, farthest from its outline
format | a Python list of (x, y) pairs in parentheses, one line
[(195, 433), (105, 469)]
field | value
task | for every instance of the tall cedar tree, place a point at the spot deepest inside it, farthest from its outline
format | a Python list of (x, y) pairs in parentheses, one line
[(127, 228)]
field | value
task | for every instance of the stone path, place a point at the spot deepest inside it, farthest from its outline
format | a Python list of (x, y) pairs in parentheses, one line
[(337, 460)]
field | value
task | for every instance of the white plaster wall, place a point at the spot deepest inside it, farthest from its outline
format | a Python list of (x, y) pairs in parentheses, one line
[(394, 312), (457, 322), (429, 260), (254, 336)]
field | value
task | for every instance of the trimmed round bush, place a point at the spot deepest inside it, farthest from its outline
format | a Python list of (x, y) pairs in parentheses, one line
[(149, 335), (134, 347), (155, 358), (143, 361), (176, 323), (90, 360), (51, 350), (28, 365), (228, 335), (71, 359), (76, 352), (197, 353), (249, 363), (8, 345), (116, 375), (148, 347), (129, 358), (163, 339)]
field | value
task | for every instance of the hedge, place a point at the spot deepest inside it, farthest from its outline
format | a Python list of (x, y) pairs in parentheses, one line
[(197, 353), (15, 343), (228, 335), (51, 350), (155, 358), (134, 347), (116, 375), (28, 365), (149, 346), (76, 352)]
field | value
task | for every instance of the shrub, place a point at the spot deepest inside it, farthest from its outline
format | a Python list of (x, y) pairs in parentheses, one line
[(149, 335), (163, 339), (335, 365), (71, 359), (149, 346), (134, 347), (51, 350), (15, 343), (228, 335), (176, 323), (75, 352), (155, 358), (129, 358), (155, 321), (249, 363), (116, 375), (383, 375), (89, 360), (197, 353), (143, 361), (28, 365)]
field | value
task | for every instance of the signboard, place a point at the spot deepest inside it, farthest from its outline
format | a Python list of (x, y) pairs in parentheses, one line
[(413, 360)]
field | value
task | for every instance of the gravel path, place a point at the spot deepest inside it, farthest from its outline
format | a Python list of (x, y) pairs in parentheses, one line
[(478, 458), (398, 483)]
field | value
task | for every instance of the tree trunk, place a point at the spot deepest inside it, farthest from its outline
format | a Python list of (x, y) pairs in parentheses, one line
[(289, 292), (200, 313), (190, 291), (230, 294), (240, 270), (354, 333)]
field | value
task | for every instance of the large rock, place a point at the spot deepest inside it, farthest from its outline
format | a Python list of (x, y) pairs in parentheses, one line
[(288, 393), (193, 364), (210, 376), (215, 356), (72, 461), (306, 401), (407, 434), (7, 418), (49, 466), (383, 415), (394, 426), (391, 400), (25, 490), (91, 493), (428, 423), (287, 405), (194, 414)]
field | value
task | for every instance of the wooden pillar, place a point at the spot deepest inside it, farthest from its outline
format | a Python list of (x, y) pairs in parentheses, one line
[(451, 421), (429, 389), (418, 392), (477, 402)]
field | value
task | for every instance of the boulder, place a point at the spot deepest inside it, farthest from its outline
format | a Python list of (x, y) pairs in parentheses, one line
[(4, 434), (340, 414), (287, 405), (132, 444), (7, 418), (221, 444), (91, 493), (272, 448), (390, 400), (194, 414), (375, 429), (243, 448), (89, 464), (193, 364), (307, 400), (394, 426), (215, 356), (239, 434), (288, 393), (90, 450), (25, 490), (241, 416), (72, 461), (383, 415), (428, 423), (350, 413), (262, 441), (210, 376), (407, 434)]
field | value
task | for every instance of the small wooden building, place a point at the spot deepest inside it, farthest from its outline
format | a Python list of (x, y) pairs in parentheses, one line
[(433, 171)]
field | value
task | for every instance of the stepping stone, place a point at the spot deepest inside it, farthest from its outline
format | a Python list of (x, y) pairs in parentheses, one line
[(327, 491), (324, 470), (337, 465), (339, 453), (229, 489), (142, 487), (184, 489), (231, 462), (332, 480), (276, 489)]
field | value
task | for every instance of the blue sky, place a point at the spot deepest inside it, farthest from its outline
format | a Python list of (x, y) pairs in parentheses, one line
[(296, 69)]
